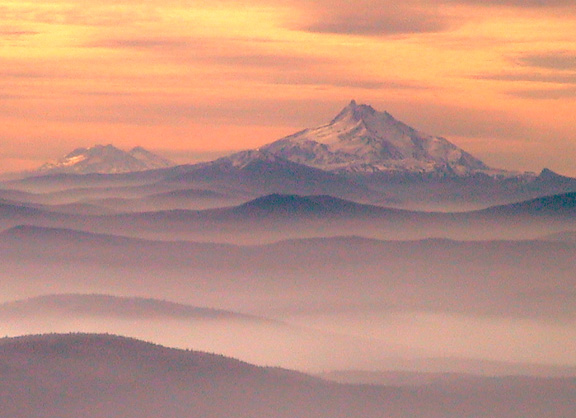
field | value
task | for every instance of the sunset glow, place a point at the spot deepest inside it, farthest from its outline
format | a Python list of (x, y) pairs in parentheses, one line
[(193, 79)]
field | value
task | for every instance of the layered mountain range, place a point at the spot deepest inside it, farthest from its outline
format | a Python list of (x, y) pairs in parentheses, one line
[(362, 155), (358, 140), (362, 246)]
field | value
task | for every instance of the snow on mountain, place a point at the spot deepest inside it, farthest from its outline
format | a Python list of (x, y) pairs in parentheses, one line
[(150, 159), (361, 139), (105, 159), (258, 172), (243, 159)]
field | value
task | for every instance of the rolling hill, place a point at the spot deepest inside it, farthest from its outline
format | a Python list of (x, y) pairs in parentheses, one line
[(65, 376)]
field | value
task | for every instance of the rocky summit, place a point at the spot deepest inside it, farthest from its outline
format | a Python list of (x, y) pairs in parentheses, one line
[(362, 139)]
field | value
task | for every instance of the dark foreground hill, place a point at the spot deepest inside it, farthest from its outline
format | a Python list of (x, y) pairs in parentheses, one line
[(96, 376)]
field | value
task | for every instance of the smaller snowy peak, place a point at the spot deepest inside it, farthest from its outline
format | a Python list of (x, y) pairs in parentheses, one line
[(362, 139), (106, 159)]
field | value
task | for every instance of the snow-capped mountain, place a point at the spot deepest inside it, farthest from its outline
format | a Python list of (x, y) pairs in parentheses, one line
[(105, 159), (361, 139)]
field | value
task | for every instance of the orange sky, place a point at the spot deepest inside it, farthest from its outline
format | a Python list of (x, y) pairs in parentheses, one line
[(194, 79)]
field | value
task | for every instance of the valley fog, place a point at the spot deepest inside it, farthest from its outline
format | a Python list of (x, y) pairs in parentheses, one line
[(344, 303), (344, 341)]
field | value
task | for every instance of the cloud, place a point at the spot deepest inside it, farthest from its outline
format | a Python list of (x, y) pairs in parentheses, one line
[(22, 69), (229, 52), (454, 120), (26, 74), (376, 18), (556, 78), (17, 33), (143, 43), (391, 17), (272, 64), (368, 24), (518, 3), (11, 97), (104, 93), (66, 13), (560, 60), (552, 67), (338, 81), (565, 81), (544, 94)]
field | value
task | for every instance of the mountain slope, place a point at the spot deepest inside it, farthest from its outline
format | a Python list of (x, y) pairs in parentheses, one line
[(292, 207), (261, 172), (191, 199), (251, 338), (556, 206), (106, 306), (360, 139), (150, 160), (94, 376)]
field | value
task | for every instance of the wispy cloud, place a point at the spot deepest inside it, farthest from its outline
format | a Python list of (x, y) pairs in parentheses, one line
[(11, 97), (366, 23), (277, 65), (148, 43), (390, 17), (26, 74), (555, 60), (537, 77), (353, 82), (227, 52), (380, 18), (66, 13), (17, 33), (544, 94), (553, 67), (517, 3)]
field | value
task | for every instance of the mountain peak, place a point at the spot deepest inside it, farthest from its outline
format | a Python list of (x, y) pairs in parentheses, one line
[(362, 139), (315, 205), (355, 112), (105, 159), (546, 175)]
